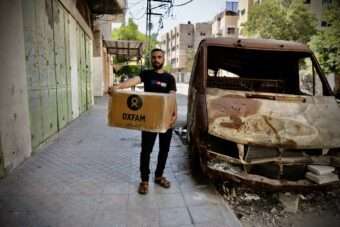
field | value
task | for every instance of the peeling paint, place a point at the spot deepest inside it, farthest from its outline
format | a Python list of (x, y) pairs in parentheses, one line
[(269, 123), (258, 118)]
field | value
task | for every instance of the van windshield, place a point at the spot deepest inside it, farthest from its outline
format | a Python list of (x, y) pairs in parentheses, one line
[(262, 71)]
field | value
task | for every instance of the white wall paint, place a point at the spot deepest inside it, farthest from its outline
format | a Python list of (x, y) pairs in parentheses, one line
[(15, 136), (98, 79), (91, 71), (74, 68)]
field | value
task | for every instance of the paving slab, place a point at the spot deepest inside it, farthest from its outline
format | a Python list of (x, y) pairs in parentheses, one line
[(88, 175)]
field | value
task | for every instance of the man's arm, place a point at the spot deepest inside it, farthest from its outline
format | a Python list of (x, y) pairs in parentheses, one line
[(126, 84), (129, 83)]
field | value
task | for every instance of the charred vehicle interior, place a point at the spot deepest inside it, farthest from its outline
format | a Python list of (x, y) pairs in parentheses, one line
[(262, 115)]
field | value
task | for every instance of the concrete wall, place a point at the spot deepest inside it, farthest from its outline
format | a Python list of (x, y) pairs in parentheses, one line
[(316, 7), (244, 7), (98, 80), (74, 68), (202, 30), (184, 43), (182, 39), (15, 140), (71, 7), (98, 63)]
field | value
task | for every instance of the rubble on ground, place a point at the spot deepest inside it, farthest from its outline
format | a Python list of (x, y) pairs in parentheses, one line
[(265, 208)]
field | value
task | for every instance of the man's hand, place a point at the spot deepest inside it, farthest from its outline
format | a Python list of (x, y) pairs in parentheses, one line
[(173, 119), (126, 84), (113, 88), (174, 113)]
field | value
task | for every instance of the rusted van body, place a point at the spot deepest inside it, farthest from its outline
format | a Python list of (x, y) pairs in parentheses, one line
[(260, 111)]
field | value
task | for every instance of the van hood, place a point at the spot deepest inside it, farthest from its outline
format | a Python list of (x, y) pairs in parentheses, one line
[(274, 120)]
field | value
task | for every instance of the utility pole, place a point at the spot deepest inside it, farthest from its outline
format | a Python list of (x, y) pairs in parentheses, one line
[(149, 13)]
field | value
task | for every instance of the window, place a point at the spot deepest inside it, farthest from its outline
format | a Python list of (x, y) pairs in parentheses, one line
[(310, 82), (243, 11), (189, 33), (232, 6), (190, 46), (231, 31), (326, 2), (262, 71), (307, 1), (202, 33), (324, 24)]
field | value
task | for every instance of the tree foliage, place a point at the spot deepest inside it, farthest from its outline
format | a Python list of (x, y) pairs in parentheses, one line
[(190, 60), (128, 32), (168, 68), (281, 19), (326, 43), (131, 32), (129, 70)]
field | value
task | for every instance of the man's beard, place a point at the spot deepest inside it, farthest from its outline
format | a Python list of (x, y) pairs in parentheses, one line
[(157, 66)]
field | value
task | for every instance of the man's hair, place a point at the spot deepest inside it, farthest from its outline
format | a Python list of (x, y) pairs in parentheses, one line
[(157, 49)]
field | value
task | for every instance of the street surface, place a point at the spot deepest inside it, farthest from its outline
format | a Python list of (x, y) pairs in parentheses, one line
[(88, 176)]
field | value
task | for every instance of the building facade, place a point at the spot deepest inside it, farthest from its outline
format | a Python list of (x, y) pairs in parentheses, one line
[(225, 24), (317, 7), (102, 61), (46, 56), (180, 43), (244, 7)]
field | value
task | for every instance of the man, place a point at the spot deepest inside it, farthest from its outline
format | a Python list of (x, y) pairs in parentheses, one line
[(156, 80)]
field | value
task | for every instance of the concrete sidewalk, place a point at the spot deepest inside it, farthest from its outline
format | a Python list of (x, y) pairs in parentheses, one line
[(88, 176)]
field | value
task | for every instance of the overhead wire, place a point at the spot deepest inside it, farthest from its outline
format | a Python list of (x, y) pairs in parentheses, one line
[(183, 4), (140, 16)]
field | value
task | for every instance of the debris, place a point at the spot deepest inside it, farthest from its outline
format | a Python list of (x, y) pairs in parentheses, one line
[(302, 197), (332, 194), (320, 170), (322, 179), (273, 210), (250, 197), (290, 202), (233, 192)]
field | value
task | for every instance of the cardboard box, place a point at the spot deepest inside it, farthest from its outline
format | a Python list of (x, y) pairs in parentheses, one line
[(145, 111)]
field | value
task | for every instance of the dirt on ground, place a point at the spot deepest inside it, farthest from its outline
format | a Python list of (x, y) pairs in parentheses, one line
[(260, 208)]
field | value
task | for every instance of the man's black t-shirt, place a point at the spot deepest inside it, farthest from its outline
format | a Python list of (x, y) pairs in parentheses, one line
[(158, 82)]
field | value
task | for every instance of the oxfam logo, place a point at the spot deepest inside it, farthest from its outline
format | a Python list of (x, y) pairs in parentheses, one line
[(134, 102)]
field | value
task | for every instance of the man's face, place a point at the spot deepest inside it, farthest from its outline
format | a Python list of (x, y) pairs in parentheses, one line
[(157, 60)]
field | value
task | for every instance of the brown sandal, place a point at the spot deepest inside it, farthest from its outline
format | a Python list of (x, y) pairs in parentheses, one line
[(143, 187), (163, 182)]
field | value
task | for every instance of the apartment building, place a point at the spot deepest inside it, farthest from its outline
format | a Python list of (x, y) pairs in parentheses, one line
[(225, 24), (201, 31), (316, 7), (244, 7), (180, 42)]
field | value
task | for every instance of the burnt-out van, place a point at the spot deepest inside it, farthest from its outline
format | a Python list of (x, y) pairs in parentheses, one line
[(262, 112)]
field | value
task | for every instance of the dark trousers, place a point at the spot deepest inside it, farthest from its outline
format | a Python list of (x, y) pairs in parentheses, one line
[(148, 140)]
